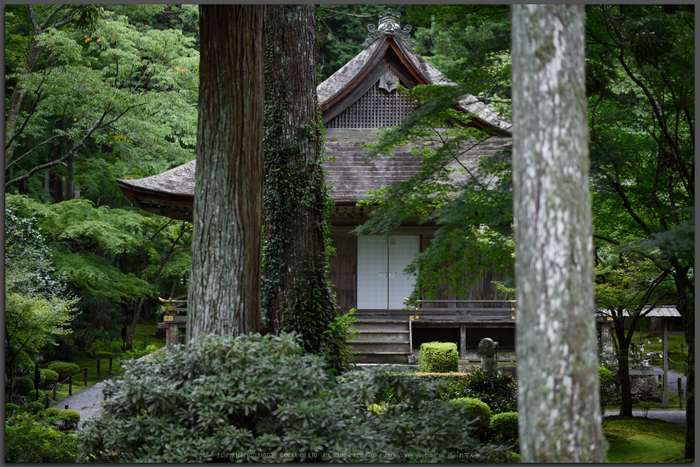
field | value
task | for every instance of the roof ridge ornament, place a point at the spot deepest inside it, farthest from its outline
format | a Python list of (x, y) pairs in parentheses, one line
[(388, 26)]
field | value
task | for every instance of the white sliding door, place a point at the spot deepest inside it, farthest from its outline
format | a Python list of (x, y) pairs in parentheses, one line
[(381, 282)]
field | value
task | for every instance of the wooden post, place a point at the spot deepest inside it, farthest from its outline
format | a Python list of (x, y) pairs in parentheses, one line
[(463, 341), (110, 365), (85, 382), (98, 370), (47, 400), (680, 394), (664, 399), (55, 386), (70, 385)]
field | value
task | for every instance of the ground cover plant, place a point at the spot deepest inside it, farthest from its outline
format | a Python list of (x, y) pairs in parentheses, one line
[(642, 440), (258, 398)]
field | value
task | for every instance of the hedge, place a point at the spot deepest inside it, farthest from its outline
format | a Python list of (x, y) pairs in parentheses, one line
[(438, 357)]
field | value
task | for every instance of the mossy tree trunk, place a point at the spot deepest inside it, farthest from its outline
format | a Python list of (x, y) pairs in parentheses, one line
[(558, 397), (296, 292), (224, 288)]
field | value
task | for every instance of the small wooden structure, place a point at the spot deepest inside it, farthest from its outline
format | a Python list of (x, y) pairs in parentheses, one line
[(356, 101)]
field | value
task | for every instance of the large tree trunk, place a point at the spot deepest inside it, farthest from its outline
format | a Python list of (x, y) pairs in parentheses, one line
[(224, 290), (558, 396), (296, 293)]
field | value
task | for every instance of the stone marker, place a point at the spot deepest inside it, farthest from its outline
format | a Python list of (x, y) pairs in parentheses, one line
[(488, 349)]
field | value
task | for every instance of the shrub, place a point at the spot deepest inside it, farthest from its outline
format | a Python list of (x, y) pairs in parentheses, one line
[(448, 385), (64, 369), (70, 418), (52, 412), (479, 412), (12, 409), (438, 357), (48, 378), (500, 392), (259, 394), (23, 386), (37, 396), (604, 375), (30, 440), (35, 407), (504, 427)]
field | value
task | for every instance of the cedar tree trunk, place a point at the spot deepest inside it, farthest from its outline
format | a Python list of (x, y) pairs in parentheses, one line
[(296, 292), (558, 397), (224, 289)]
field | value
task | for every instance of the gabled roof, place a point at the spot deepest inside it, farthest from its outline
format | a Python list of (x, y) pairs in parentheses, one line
[(387, 39)]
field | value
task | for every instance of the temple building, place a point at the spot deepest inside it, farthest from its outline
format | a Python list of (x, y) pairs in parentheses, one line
[(360, 98)]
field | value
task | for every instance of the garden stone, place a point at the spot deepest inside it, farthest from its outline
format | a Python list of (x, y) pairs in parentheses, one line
[(488, 349)]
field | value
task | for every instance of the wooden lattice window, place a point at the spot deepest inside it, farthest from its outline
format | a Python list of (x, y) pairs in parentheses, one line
[(376, 108)]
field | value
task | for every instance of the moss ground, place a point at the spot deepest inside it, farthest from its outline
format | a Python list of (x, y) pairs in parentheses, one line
[(641, 440)]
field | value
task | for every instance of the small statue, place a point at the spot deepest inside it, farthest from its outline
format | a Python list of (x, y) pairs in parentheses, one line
[(488, 349)]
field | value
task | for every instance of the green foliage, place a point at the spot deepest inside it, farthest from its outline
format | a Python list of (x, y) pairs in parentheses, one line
[(35, 407), (343, 330), (52, 412), (48, 378), (438, 357), (447, 385), (38, 396), (70, 418), (30, 439), (135, 354), (500, 392), (604, 375), (504, 428), (12, 409), (64, 369), (478, 410), (23, 386), (260, 394)]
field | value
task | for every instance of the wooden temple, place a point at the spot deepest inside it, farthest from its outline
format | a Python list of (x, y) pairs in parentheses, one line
[(356, 101)]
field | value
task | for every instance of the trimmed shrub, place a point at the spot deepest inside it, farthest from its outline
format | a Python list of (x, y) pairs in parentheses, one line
[(48, 378), (52, 412), (23, 386), (500, 392), (259, 394), (64, 369), (604, 375), (504, 427), (35, 407), (70, 418), (37, 396), (438, 357), (479, 412)]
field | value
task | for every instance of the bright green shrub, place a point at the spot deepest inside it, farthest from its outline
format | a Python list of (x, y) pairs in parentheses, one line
[(28, 439), (64, 369), (438, 357), (48, 378), (376, 409), (604, 375), (504, 427), (259, 394), (500, 391), (70, 418), (479, 412), (35, 407), (23, 386), (52, 412), (38, 396)]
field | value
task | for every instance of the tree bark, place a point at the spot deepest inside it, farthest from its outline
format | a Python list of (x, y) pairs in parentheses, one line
[(295, 272), (224, 291), (558, 396)]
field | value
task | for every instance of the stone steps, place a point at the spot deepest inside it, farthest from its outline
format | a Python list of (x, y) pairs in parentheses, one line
[(382, 341)]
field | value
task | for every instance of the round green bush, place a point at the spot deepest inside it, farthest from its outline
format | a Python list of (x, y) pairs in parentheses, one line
[(64, 369), (23, 386), (52, 411), (38, 396), (48, 378), (438, 357), (478, 411), (504, 427), (35, 407), (499, 392), (70, 418)]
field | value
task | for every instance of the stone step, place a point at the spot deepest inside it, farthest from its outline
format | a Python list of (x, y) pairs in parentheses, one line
[(382, 336)]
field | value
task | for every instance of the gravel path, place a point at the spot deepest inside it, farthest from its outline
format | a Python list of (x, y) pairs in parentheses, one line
[(673, 416), (88, 402)]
